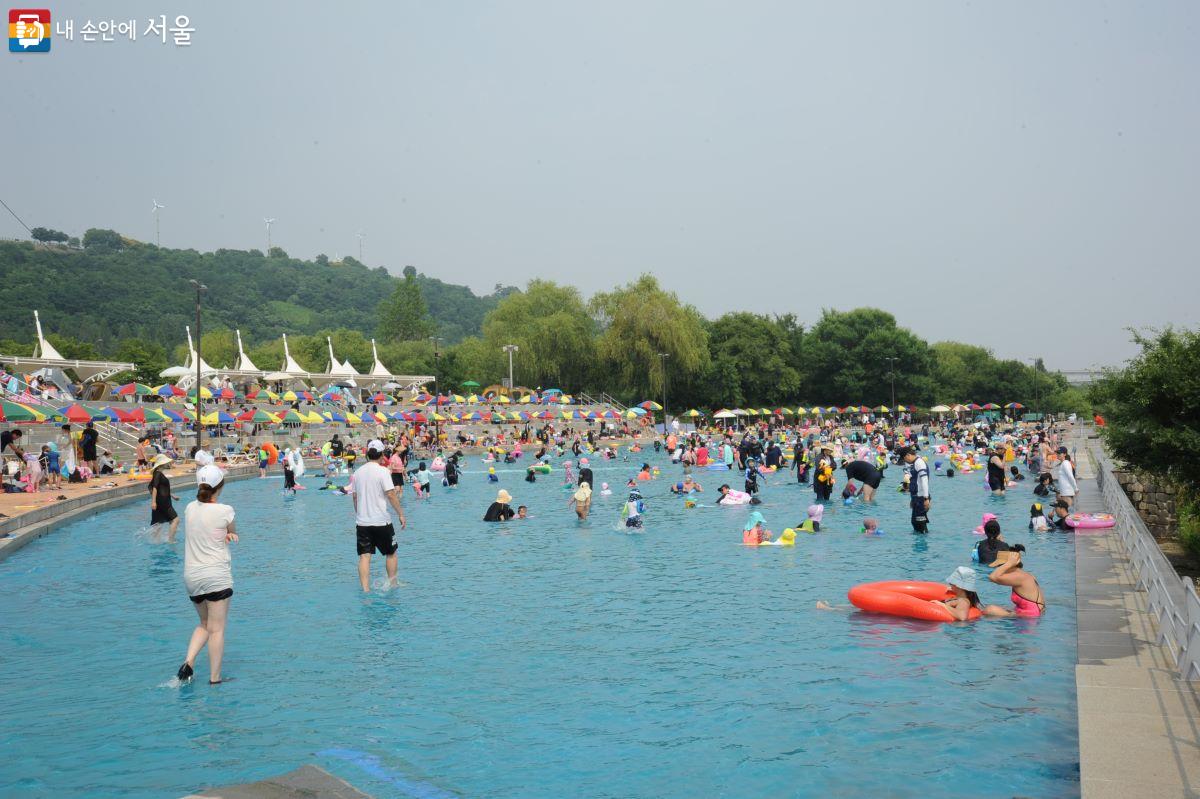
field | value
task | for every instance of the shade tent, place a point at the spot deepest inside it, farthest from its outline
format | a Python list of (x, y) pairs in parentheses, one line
[(245, 369), (46, 357), (187, 373)]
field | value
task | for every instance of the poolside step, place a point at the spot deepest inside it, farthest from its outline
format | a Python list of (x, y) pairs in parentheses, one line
[(306, 782)]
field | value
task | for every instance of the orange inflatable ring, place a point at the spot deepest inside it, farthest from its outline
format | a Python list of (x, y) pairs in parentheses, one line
[(912, 600), (272, 453)]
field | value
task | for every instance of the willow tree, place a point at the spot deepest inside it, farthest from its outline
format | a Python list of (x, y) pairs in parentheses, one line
[(551, 326), (638, 322)]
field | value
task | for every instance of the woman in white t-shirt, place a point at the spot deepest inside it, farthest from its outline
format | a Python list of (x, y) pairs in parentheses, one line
[(209, 529)]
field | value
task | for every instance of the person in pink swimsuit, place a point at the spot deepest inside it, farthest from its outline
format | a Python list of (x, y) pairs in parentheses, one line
[(1009, 571)]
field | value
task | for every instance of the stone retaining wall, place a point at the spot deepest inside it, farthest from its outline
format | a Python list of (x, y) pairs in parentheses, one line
[(1154, 501)]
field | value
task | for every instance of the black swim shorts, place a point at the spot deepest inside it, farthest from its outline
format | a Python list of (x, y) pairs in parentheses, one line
[(381, 537), (215, 596)]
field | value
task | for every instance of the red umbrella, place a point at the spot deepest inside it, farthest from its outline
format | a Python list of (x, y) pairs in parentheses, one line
[(974, 407), (991, 406), (80, 414), (136, 416), (417, 416)]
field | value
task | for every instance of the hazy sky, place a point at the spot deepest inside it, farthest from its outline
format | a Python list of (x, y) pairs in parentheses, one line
[(1018, 175)]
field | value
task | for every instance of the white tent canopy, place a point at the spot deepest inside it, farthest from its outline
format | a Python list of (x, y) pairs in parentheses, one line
[(46, 356), (380, 377)]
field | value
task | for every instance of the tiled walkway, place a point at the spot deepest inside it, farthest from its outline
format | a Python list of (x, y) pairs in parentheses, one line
[(1139, 725)]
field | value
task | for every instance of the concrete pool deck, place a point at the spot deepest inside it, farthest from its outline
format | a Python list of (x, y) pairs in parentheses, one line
[(31, 516), (1139, 724)]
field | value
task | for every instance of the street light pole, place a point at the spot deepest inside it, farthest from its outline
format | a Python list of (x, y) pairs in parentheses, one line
[(1036, 399), (437, 427), (662, 358), (200, 289), (892, 375), (510, 349)]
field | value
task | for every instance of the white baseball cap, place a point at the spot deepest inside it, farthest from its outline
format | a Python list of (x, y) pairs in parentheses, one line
[(210, 474), (375, 444)]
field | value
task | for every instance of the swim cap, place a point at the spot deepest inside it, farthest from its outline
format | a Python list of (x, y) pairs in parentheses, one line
[(491, 470)]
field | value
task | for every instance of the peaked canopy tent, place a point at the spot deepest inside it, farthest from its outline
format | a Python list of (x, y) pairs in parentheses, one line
[(245, 369), (46, 357), (187, 372), (292, 373), (380, 377), (340, 373)]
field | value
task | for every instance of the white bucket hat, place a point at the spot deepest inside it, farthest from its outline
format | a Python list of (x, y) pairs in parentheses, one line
[(963, 577)]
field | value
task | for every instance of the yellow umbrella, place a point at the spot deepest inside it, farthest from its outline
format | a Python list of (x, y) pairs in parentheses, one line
[(503, 400), (290, 417), (437, 417), (692, 414), (526, 398), (312, 417), (473, 398), (353, 418)]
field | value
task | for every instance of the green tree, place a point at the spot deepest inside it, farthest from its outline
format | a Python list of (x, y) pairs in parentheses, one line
[(149, 357), (848, 354), (277, 252), (403, 316), (753, 360), (639, 321), (554, 331), (101, 240), (1152, 407), (48, 234)]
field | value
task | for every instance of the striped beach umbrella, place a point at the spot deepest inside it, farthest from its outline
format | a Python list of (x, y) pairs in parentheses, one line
[(19, 412)]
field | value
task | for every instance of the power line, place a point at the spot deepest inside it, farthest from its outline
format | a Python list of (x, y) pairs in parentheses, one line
[(14, 215)]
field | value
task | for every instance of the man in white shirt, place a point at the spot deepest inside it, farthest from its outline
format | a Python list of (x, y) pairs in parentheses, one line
[(372, 493)]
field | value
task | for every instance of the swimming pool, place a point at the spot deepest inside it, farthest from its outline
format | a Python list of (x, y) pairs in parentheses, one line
[(544, 658)]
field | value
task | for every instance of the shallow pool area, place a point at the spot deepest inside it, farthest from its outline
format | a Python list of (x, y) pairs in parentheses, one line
[(541, 658)]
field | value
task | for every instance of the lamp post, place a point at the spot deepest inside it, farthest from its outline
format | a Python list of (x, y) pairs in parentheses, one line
[(200, 289), (1033, 362), (892, 375), (662, 359), (510, 349), (437, 427)]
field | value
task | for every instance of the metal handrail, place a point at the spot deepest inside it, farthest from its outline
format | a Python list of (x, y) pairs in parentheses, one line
[(1173, 601), (113, 435)]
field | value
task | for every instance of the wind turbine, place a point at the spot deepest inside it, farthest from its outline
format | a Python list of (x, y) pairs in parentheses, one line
[(154, 211), (270, 221), (361, 236)]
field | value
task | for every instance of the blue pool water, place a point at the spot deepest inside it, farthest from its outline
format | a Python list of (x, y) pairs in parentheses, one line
[(546, 658)]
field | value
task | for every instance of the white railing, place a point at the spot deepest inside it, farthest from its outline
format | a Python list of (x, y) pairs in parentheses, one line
[(1173, 601)]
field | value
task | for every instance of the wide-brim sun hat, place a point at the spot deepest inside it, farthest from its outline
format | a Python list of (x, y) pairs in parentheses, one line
[(160, 460), (1004, 556), (503, 497)]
